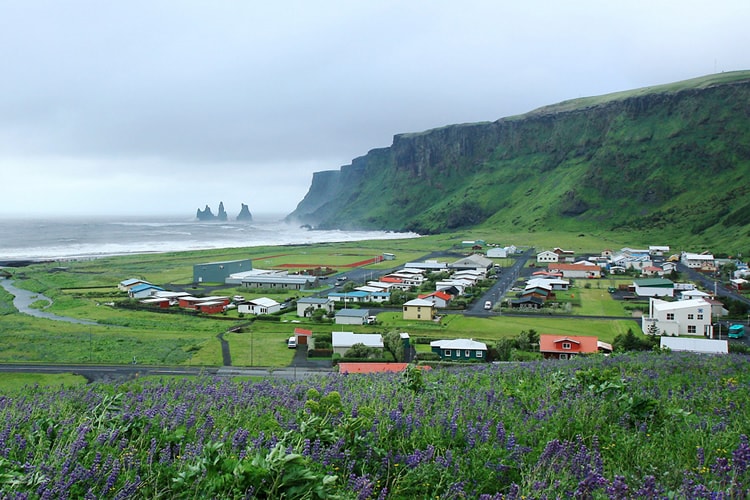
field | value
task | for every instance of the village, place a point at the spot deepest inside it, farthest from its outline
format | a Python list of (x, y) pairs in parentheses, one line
[(683, 315)]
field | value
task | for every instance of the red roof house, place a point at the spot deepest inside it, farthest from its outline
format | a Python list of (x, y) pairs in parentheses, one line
[(567, 346)]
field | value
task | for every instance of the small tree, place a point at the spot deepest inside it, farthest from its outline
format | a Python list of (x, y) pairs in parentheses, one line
[(393, 344)]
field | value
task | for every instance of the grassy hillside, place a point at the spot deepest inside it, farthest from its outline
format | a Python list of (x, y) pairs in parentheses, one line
[(664, 163)]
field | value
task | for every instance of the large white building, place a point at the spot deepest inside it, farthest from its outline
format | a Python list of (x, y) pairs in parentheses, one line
[(682, 317)]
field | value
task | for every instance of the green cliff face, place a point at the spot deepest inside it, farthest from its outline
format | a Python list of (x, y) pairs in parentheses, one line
[(673, 160)]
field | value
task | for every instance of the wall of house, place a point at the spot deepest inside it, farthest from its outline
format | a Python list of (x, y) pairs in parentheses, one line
[(418, 312)]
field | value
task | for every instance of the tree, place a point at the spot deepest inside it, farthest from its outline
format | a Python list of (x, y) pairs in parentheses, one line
[(361, 351), (630, 342), (504, 347), (528, 340), (393, 344)]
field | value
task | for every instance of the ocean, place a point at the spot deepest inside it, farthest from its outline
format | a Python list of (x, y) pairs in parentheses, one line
[(78, 238)]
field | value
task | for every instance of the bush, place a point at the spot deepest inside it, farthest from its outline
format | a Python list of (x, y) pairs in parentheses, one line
[(427, 356)]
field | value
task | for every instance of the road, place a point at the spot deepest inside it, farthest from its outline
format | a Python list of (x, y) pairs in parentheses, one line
[(116, 373)]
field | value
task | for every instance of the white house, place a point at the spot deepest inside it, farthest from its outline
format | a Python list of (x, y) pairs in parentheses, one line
[(306, 305), (473, 262), (352, 316), (551, 283), (702, 346), (428, 265), (658, 250), (263, 305), (343, 341), (693, 294), (683, 317), (547, 256), (704, 261), (497, 253)]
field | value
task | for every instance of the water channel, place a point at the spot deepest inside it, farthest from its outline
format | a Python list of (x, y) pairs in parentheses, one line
[(22, 300)]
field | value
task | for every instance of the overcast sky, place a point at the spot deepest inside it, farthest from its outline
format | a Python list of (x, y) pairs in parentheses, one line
[(161, 107)]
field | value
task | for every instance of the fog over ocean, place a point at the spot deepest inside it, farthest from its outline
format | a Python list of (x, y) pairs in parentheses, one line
[(75, 238)]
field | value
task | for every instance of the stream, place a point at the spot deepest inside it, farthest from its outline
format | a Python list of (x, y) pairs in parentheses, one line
[(22, 300)]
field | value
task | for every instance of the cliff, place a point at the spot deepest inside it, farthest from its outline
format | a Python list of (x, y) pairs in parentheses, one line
[(673, 157)]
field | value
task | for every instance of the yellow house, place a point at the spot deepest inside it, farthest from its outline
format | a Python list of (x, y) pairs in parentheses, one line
[(421, 309)]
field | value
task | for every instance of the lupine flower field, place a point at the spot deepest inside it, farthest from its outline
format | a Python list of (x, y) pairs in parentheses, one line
[(652, 425)]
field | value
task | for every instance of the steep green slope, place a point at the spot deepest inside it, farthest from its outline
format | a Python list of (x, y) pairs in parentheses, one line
[(671, 161)]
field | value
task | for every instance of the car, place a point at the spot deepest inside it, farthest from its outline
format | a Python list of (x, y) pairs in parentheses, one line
[(488, 305), (292, 343)]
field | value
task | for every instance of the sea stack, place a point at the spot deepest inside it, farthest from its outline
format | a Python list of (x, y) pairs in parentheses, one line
[(245, 214)]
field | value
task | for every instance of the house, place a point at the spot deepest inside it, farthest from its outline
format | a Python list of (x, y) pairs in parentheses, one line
[(217, 272), (654, 287), (211, 307), (652, 271), (546, 257), (701, 261), (351, 316), (668, 267), (658, 250), (376, 367), (682, 317), (126, 285), (739, 283), (439, 298), (160, 302), (567, 346), (190, 302), (577, 270), (702, 346), (432, 266), (497, 253), (143, 290), (307, 305), (263, 305), (350, 297), (419, 309), (549, 282), (564, 255), (473, 262), (343, 341), (527, 302), (693, 294), (281, 281), (459, 349)]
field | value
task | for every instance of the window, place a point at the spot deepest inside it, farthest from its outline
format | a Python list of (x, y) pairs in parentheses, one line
[(563, 356), (566, 345), (467, 353), (447, 352), (691, 329), (690, 316), (670, 316), (479, 354), (700, 316)]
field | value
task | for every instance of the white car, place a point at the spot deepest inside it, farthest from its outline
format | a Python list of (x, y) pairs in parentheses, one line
[(488, 305), (291, 343)]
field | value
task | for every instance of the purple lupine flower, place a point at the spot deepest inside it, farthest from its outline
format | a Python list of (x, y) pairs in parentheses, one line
[(741, 456)]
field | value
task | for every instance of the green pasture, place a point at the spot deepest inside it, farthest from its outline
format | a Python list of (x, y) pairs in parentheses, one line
[(11, 383)]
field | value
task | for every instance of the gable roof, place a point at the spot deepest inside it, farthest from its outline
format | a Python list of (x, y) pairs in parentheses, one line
[(313, 300), (654, 283), (352, 313), (553, 343), (419, 303), (459, 344), (263, 302), (348, 339)]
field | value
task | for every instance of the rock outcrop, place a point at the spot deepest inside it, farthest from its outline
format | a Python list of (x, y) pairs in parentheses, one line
[(245, 214)]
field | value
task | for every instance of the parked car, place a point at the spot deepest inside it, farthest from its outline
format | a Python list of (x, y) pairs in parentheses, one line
[(292, 343)]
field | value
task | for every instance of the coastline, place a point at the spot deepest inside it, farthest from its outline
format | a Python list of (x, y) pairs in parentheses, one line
[(34, 241)]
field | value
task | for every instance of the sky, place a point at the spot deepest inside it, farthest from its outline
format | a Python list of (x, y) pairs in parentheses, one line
[(151, 107)]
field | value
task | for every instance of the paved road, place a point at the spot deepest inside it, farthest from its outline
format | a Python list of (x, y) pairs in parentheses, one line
[(114, 373), (712, 284)]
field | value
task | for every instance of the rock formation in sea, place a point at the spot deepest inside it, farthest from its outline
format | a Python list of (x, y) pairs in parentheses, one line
[(245, 214)]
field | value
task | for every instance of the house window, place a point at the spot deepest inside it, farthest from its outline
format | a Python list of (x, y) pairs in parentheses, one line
[(700, 316), (566, 345), (670, 316), (467, 354), (479, 354), (691, 329), (447, 352), (563, 356), (690, 316)]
